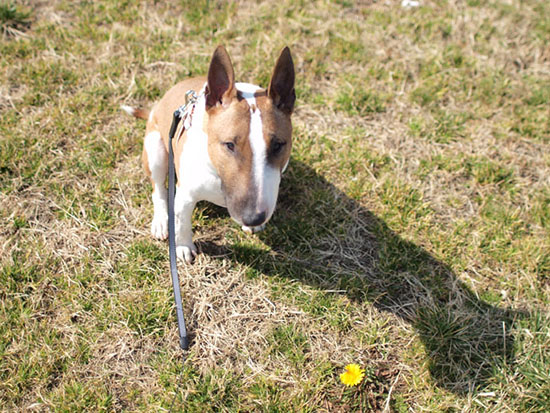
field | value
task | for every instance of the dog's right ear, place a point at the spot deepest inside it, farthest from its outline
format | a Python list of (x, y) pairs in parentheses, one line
[(221, 80), (281, 86)]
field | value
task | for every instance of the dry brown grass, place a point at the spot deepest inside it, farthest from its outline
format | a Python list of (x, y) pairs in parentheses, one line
[(411, 235)]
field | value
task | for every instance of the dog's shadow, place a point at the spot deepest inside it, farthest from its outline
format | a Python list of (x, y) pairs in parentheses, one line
[(328, 240)]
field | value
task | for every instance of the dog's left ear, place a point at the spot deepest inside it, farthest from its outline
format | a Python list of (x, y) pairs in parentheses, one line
[(281, 87), (220, 87)]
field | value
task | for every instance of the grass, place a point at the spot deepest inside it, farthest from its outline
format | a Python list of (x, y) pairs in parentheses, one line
[(13, 19), (411, 233)]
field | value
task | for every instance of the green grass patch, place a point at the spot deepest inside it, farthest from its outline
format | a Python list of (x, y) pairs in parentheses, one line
[(410, 234), (13, 18), (361, 102)]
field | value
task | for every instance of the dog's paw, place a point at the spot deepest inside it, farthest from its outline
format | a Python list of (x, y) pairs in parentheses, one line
[(252, 230), (159, 227), (186, 253)]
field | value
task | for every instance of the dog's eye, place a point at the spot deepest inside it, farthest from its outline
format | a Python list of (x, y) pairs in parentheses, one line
[(276, 146), (230, 146)]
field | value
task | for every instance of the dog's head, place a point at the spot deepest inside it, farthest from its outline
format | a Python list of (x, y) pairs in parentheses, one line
[(249, 136)]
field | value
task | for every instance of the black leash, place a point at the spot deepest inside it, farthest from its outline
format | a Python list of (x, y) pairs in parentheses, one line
[(184, 341), (179, 115)]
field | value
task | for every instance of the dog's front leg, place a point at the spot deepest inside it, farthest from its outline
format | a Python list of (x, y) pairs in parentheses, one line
[(183, 207)]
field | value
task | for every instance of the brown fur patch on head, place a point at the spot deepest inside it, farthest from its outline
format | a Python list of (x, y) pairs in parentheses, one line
[(277, 129), (231, 125)]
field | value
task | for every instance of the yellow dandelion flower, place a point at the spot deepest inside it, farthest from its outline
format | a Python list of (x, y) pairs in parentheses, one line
[(353, 375)]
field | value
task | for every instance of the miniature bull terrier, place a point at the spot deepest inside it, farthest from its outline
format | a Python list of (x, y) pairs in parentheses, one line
[(232, 152)]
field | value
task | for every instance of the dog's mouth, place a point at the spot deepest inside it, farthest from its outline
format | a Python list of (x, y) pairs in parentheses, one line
[(254, 220), (253, 210), (250, 219), (248, 228)]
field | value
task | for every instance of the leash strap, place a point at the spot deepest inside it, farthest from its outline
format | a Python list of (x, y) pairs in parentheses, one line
[(184, 113), (184, 341)]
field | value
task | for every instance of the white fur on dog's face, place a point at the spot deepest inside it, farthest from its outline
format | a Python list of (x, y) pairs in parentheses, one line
[(249, 145), (265, 174)]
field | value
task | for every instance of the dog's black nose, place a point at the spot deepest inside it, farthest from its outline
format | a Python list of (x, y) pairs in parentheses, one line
[(254, 219)]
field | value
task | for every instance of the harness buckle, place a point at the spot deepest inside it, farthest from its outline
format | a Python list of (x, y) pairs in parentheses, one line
[(184, 112)]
